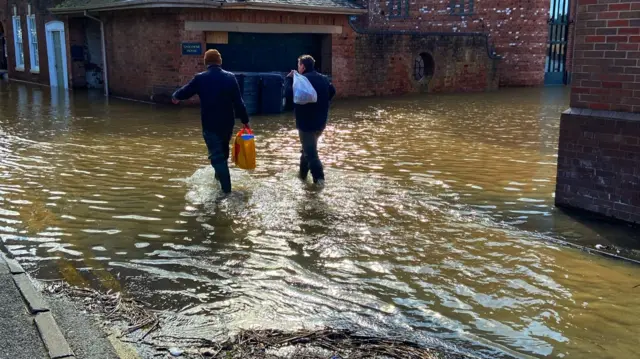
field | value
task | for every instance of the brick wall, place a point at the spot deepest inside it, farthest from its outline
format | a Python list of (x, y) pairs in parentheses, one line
[(599, 145), (599, 164), (362, 64), (42, 17), (143, 52), (144, 55), (518, 29), (607, 57), (193, 64)]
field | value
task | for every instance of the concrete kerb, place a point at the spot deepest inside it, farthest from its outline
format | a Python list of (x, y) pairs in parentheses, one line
[(50, 333)]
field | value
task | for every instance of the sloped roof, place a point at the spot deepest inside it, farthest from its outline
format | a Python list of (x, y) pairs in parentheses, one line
[(347, 4), (312, 6)]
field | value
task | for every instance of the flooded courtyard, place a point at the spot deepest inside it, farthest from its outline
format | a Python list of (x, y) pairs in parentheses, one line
[(436, 225)]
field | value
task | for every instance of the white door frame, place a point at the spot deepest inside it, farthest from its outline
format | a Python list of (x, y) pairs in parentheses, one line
[(50, 27)]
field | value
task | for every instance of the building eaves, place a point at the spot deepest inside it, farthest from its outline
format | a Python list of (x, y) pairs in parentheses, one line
[(346, 7)]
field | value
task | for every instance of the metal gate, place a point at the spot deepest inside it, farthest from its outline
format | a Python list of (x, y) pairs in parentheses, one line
[(555, 64)]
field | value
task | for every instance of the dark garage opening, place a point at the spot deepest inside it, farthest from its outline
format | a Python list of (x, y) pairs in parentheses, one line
[(258, 52)]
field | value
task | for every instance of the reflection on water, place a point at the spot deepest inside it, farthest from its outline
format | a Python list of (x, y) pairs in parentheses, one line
[(432, 225)]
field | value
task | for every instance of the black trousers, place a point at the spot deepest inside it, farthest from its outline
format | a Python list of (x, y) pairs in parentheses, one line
[(309, 158), (218, 147)]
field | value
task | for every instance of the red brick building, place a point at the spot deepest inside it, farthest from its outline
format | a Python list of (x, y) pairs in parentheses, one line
[(144, 49), (599, 149)]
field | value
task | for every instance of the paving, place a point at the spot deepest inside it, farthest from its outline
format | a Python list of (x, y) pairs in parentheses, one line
[(85, 338), (29, 322), (19, 338)]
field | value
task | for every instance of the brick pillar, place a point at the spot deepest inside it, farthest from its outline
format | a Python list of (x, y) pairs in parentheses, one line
[(599, 146)]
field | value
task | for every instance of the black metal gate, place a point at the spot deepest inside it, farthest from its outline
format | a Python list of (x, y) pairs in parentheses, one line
[(555, 64)]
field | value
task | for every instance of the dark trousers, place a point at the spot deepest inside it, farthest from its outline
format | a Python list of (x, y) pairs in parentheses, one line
[(309, 159), (218, 147)]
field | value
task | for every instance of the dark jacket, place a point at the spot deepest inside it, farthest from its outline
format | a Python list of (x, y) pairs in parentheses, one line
[(313, 117), (220, 99)]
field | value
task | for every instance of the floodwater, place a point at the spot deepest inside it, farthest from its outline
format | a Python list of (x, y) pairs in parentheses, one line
[(435, 223)]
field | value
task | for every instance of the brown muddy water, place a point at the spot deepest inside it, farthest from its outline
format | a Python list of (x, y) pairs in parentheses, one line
[(434, 224)]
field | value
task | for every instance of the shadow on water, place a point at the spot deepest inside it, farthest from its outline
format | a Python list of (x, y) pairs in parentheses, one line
[(622, 235), (429, 227)]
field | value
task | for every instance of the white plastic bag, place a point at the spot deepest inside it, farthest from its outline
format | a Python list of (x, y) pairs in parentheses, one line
[(303, 91)]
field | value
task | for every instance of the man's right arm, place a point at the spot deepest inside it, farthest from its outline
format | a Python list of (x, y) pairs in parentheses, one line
[(187, 91), (238, 103)]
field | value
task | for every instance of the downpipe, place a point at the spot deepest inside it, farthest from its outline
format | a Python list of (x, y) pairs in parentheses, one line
[(490, 51), (104, 53)]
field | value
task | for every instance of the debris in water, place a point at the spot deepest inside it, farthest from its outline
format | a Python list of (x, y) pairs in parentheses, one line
[(175, 352), (599, 246), (113, 306), (247, 344)]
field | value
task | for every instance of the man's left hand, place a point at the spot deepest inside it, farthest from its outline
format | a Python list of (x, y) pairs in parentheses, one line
[(175, 101)]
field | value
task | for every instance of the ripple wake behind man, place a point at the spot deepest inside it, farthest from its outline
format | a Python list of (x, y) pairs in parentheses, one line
[(220, 103)]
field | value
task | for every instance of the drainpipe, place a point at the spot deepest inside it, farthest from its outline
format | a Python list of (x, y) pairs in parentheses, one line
[(104, 53)]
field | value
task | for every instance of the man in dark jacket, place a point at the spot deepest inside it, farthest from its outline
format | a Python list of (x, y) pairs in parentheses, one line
[(220, 104), (311, 119)]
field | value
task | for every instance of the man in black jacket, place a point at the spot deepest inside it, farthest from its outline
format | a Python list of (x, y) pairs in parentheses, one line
[(220, 104), (311, 119)]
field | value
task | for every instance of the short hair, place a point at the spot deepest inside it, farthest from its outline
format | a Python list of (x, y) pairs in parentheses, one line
[(212, 57), (308, 61)]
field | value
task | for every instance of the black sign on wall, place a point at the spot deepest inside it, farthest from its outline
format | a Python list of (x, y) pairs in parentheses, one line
[(191, 48)]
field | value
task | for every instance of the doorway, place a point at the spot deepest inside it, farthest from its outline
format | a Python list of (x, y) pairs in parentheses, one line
[(57, 55), (267, 52), (3, 50)]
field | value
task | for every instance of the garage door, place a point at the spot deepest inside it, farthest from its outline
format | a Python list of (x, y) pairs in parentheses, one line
[(257, 52)]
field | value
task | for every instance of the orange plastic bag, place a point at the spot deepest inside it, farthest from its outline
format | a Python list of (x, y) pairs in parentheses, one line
[(244, 149)]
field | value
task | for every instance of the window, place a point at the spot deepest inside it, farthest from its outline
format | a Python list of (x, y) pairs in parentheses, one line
[(461, 7), (423, 67), (33, 43), (398, 8), (17, 40)]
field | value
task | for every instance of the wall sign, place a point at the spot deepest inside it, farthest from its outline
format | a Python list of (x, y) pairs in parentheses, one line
[(191, 48)]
